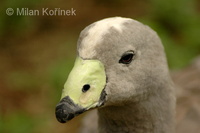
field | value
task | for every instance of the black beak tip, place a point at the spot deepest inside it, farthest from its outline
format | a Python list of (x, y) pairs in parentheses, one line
[(60, 115), (67, 110), (63, 116)]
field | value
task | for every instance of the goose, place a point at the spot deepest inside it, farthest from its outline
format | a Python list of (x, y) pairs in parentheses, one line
[(121, 70)]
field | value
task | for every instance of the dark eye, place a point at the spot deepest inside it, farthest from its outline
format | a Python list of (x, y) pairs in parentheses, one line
[(127, 57)]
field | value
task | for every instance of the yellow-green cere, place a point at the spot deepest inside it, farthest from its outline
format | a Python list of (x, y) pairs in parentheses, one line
[(91, 72)]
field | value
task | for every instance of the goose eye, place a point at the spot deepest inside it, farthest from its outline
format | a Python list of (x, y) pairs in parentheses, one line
[(127, 57)]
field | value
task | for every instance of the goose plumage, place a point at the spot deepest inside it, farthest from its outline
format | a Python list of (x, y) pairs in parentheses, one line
[(121, 70)]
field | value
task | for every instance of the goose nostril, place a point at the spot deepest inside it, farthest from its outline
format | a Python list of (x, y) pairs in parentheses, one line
[(85, 88)]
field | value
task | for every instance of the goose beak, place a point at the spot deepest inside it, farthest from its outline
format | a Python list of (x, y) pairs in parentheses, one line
[(83, 90)]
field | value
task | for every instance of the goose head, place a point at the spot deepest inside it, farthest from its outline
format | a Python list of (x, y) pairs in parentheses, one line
[(119, 61)]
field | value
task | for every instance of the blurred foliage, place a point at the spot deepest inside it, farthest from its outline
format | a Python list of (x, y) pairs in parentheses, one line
[(14, 122), (37, 52), (16, 24), (178, 24)]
